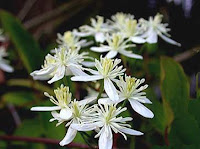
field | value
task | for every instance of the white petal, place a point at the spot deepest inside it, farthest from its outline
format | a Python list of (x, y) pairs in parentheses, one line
[(77, 72), (69, 137), (111, 54), (152, 36), (141, 109), (130, 131), (99, 37), (99, 49), (87, 100), (138, 40), (53, 108), (88, 64), (65, 113), (84, 127), (169, 40), (87, 78), (43, 71), (6, 67), (105, 140), (110, 90), (60, 72), (130, 54), (105, 101)]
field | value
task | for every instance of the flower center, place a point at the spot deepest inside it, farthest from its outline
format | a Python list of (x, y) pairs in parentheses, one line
[(63, 96), (130, 27), (115, 42), (109, 114), (69, 39), (130, 83), (107, 65), (99, 23), (48, 61), (76, 110)]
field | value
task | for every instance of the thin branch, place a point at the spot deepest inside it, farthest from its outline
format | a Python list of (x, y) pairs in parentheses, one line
[(53, 13), (14, 113), (24, 11), (166, 136), (187, 54), (40, 140), (44, 28)]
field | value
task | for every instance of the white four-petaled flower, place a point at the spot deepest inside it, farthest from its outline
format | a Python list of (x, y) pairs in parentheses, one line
[(154, 28), (131, 90), (116, 44), (107, 120), (108, 70), (97, 29), (65, 62)]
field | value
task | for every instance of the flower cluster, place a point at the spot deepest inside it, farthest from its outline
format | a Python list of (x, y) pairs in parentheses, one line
[(100, 111)]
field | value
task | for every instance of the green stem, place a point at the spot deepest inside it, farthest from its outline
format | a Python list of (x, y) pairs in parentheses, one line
[(124, 103), (65, 81), (101, 89), (85, 139)]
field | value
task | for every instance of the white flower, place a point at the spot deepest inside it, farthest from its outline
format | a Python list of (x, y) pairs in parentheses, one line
[(71, 41), (4, 64), (154, 28), (131, 90), (131, 31), (65, 62), (97, 29), (108, 120), (81, 114), (116, 44), (62, 101), (118, 20), (107, 70), (2, 37)]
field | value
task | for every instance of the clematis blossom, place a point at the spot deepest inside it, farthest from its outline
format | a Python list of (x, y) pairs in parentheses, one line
[(131, 90), (107, 70)]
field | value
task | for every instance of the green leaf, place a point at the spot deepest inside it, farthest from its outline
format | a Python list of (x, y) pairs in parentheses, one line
[(50, 129), (26, 46), (194, 109), (30, 128), (185, 130), (18, 98), (159, 121), (174, 87)]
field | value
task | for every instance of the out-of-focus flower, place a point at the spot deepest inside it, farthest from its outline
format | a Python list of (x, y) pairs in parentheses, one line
[(131, 90), (2, 37), (108, 120), (71, 41), (154, 28), (116, 44), (65, 62), (4, 64), (118, 20), (97, 29), (108, 70)]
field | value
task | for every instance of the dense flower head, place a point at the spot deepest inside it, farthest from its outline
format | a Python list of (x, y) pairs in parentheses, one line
[(71, 41), (109, 67), (63, 62), (63, 96)]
